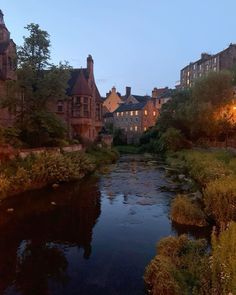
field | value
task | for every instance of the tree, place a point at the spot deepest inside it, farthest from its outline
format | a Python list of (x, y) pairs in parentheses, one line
[(39, 83)]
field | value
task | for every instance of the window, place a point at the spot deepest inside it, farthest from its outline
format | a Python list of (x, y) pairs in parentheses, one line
[(117, 114), (86, 107), (154, 113), (145, 128), (122, 114), (214, 69), (136, 128), (59, 106), (131, 128), (127, 113), (200, 67), (145, 112), (77, 100), (131, 113), (1, 35), (136, 113)]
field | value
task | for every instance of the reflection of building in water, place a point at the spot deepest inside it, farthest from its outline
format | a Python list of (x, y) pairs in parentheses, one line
[(33, 239)]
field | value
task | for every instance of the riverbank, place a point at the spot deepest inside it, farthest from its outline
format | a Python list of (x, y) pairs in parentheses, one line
[(187, 267), (39, 170)]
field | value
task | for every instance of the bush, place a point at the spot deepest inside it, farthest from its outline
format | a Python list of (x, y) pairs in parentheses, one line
[(173, 140), (223, 261), (220, 200), (185, 211), (179, 267)]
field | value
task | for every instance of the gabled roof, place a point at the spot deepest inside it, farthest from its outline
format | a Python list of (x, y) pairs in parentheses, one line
[(78, 84), (131, 107), (141, 98), (168, 93)]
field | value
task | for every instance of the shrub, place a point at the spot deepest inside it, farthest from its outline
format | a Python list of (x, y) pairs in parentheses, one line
[(220, 200), (185, 211), (4, 185), (173, 140), (179, 267), (223, 261)]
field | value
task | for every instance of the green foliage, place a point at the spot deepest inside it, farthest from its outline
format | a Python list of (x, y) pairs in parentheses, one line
[(179, 267), (203, 112), (119, 137), (38, 84), (173, 140), (128, 149), (185, 211), (223, 261), (220, 200), (34, 171)]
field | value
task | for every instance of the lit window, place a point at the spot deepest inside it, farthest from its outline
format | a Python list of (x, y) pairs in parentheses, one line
[(145, 112), (145, 128), (188, 74), (136, 128), (127, 113), (136, 113), (214, 69), (188, 81), (118, 114), (122, 113), (131, 128), (154, 113), (131, 113)]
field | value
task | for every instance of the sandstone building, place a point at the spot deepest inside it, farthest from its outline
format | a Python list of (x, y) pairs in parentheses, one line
[(81, 111), (223, 60), (7, 67)]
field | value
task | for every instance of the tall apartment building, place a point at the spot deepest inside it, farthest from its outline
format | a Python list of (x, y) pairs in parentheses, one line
[(222, 60)]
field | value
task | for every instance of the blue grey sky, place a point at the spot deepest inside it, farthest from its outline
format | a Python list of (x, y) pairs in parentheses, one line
[(137, 43)]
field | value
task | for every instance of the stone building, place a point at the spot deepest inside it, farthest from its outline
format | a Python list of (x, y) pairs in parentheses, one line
[(82, 111), (7, 67), (112, 101), (222, 60), (135, 117)]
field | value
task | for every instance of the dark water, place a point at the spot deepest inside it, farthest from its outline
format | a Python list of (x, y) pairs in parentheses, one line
[(92, 238)]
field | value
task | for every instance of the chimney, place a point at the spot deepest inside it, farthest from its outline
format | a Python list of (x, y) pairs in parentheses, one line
[(128, 91), (113, 89), (90, 64), (154, 93)]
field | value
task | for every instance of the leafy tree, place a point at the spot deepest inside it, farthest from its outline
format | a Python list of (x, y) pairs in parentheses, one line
[(39, 83)]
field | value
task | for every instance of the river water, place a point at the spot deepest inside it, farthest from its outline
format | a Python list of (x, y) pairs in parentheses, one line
[(89, 238)]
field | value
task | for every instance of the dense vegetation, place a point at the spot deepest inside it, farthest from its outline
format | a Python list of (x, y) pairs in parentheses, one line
[(204, 113), (36, 171), (183, 266)]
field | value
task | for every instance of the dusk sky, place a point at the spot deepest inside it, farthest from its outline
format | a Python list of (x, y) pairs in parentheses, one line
[(137, 43)]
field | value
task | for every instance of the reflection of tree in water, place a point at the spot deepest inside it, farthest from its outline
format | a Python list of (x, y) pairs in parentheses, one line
[(33, 238)]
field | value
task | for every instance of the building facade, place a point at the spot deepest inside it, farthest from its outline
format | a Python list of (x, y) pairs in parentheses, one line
[(7, 67), (134, 118), (223, 60), (81, 111), (112, 101)]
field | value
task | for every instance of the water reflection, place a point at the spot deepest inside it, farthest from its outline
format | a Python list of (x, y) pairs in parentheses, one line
[(34, 238)]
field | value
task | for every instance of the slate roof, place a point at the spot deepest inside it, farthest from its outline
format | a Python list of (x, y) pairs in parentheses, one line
[(81, 86), (131, 107), (168, 93), (140, 98)]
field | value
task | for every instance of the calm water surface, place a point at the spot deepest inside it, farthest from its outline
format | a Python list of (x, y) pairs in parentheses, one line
[(92, 238)]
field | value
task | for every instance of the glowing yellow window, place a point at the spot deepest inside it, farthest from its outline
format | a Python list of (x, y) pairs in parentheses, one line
[(145, 112), (136, 113), (136, 128), (131, 128), (145, 128), (131, 113), (122, 113), (154, 113)]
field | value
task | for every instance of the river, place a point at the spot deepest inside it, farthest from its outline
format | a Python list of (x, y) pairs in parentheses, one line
[(89, 238)]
